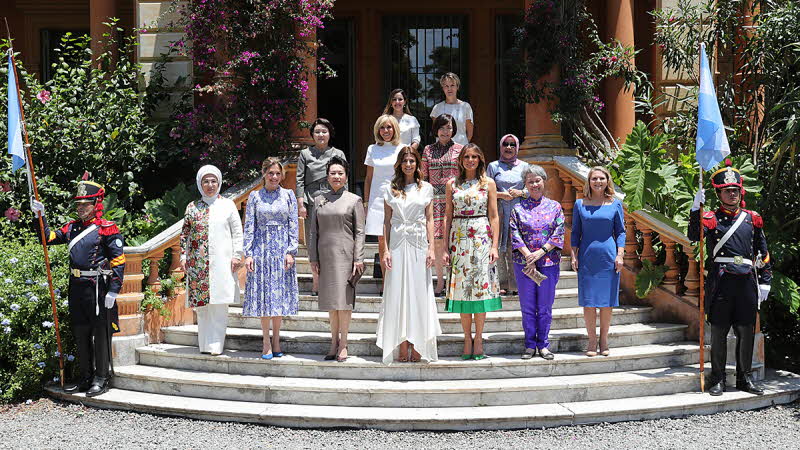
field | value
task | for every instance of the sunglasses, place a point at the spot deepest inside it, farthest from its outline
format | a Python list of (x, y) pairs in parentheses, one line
[(509, 144)]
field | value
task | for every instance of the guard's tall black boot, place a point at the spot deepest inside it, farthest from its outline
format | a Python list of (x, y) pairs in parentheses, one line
[(745, 336), (719, 353), (83, 342), (101, 361)]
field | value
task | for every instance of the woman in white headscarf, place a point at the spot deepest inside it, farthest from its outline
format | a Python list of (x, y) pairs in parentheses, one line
[(211, 254)]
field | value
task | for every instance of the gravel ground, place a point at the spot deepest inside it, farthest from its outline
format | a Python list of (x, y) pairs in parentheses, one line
[(48, 424)]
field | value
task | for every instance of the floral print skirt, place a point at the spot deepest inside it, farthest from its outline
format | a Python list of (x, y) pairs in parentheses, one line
[(474, 285)]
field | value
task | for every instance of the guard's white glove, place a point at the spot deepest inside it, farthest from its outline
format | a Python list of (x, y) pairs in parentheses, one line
[(699, 198), (37, 207), (111, 298), (763, 293)]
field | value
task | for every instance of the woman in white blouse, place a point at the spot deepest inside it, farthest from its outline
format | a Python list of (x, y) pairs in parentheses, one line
[(397, 106), (459, 109), (380, 160)]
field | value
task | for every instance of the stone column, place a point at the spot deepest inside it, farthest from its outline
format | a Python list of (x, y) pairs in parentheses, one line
[(300, 136), (100, 11), (542, 136), (620, 116)]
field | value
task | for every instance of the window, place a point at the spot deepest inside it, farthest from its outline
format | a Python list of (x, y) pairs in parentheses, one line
[(418, 50)]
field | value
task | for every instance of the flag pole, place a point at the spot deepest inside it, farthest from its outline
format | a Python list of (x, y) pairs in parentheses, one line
[(702, 297), (702, 301), (32, 176)]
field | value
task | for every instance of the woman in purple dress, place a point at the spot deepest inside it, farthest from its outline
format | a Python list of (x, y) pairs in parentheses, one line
[(270, 246), (536, 229)]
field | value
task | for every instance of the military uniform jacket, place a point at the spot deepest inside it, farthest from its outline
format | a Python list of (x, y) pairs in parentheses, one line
[(739, 254), (100, 248)]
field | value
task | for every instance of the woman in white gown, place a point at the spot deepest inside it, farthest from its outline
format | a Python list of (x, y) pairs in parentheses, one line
[(408, 313)]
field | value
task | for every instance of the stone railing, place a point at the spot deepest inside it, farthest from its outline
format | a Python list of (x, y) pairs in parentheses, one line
[(677, 297), (132, 320)]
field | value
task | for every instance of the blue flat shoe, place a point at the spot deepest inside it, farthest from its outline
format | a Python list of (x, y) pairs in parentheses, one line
[(267, 356), (277, 355)]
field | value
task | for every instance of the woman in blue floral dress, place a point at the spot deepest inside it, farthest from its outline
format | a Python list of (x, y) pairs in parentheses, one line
[(270, 246)]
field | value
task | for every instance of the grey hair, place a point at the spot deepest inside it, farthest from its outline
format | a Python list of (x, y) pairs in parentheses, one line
[(534, 170)]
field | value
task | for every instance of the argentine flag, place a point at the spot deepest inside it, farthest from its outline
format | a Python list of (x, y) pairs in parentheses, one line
[(15, 148), (712, 144)]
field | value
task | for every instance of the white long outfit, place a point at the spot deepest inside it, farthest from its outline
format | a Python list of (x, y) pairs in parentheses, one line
[(409, 130), (381, 158), (461, 112), (408, 311), (210, 239)]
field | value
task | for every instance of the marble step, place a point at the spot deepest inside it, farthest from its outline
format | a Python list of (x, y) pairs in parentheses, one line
[(565, 298), (780, 388), (448, 368), (370, 285), (408, 394), (496, 321), (564, 340)]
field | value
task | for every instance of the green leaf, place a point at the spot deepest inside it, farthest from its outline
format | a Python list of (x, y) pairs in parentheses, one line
[(648, 278)]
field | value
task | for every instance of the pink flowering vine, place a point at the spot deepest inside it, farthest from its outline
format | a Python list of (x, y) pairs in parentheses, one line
[(43, 96)]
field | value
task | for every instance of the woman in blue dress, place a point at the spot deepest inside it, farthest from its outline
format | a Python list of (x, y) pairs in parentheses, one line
[(270, 246), (598, 245), (507, 175)]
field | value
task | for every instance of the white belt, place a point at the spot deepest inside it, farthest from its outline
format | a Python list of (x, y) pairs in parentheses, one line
[(90, 273), (733, 259)]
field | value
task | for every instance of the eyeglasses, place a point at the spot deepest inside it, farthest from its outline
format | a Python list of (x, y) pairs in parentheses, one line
[(509, 144)]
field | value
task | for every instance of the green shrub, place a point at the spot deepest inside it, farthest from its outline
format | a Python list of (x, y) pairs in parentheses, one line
[(28, 357)]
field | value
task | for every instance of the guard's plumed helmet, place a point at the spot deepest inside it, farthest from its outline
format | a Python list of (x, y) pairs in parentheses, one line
[(728, 177), (90, 192)]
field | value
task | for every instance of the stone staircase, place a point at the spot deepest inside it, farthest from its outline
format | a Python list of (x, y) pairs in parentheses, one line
[(651, 373)]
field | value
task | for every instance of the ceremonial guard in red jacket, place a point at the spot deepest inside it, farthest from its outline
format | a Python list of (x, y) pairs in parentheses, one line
[(738, 275), (96, 262)]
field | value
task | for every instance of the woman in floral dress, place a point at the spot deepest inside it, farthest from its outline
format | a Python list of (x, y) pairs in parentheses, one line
[(440, 164), (270, 246), (211, 255), (472, 225)]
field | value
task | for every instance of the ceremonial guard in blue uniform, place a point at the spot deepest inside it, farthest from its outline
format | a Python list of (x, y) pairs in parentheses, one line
[(738, 275), (96, 262)]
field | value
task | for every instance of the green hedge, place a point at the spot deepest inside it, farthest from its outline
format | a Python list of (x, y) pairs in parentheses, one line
[(28, 351)]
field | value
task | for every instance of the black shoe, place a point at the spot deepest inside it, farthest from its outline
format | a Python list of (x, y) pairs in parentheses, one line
[(81, 386), (98, 387), (717, 389), (746, 384)]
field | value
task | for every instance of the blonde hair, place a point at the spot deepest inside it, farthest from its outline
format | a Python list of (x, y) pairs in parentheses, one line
[(272, 161), (382, 120), (450, 76), (609, 192)]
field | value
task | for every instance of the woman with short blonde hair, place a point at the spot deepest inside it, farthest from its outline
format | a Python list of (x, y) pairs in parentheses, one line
[(459, 109), (380, 160)]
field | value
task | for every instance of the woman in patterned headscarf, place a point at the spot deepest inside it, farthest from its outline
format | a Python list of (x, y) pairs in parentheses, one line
[(211, 254)]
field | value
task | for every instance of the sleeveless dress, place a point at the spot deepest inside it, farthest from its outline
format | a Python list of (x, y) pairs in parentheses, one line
[(474, 286), (408, 311)]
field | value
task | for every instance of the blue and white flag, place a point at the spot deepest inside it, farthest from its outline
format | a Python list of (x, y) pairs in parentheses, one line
[(15, 147), (712, 144)]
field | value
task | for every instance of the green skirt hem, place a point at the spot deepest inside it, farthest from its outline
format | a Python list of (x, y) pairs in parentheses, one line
[(474, 307)]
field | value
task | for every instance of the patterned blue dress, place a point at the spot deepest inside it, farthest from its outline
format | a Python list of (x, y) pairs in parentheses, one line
[(270, 232)]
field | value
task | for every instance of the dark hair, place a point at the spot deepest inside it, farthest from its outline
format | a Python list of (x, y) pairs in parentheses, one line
[(335, 160), (480, 172), (398, 181), (325, 123), (389, 110), (441, 121)]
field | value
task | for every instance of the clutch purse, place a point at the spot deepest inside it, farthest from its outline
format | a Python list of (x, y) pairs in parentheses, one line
[(353, 280), (531, 272)]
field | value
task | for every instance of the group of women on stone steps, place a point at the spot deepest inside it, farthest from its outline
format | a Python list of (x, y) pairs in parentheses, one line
[(490, 225)]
